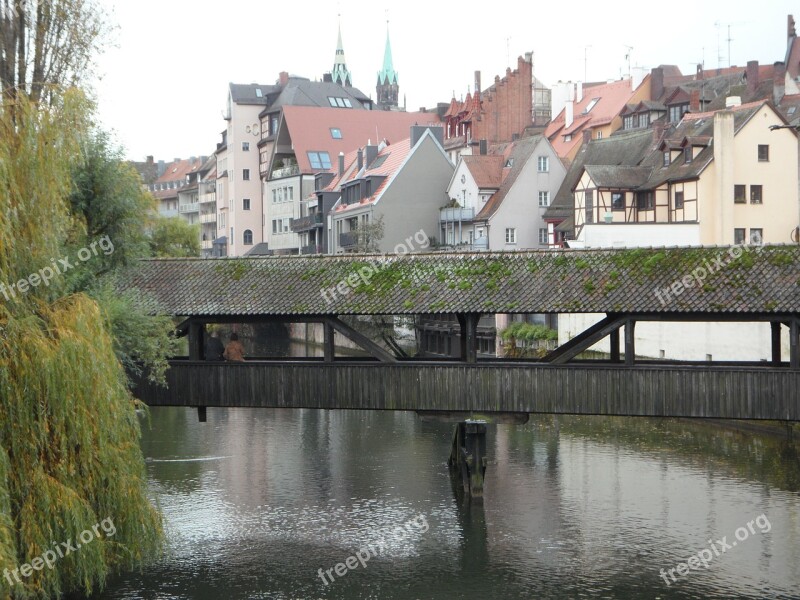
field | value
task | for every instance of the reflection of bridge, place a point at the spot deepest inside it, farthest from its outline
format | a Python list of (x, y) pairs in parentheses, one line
[(758, 286)]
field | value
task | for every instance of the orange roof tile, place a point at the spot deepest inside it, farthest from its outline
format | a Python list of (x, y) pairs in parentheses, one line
[(487, 171)]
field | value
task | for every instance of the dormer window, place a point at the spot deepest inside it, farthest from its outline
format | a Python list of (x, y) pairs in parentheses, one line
[(667, 158), (677, 111), (687, 154), (644, 119)]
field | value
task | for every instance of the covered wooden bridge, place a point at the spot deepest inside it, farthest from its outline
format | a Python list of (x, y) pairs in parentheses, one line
[(712, 284)]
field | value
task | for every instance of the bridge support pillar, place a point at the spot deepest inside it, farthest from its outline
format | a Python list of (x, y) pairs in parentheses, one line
[(794, 344), (630, 342), (614, 340), (776, 342), (196, 340), (468, 456)]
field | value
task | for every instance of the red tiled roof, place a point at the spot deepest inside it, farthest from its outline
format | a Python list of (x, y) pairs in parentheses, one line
[(487, 171), (396, 155), (177, 171), (612, 97), (309, 128), (710, 114)]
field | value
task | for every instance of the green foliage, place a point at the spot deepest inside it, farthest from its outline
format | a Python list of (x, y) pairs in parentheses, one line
[(172, 237), (69, 452), (369, 235), (528, 332)]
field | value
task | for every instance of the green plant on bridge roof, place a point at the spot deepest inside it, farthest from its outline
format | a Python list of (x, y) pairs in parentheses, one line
[(581, 263), (235, 268), (781, 258)]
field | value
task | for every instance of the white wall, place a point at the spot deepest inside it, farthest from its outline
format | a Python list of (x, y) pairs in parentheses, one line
[(638, 235)]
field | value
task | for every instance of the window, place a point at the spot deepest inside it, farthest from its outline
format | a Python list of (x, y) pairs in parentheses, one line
[(763, 153), (687, 154), (286, 223), (259, 93), (544, 198), (231, 236), (246, 174), (627, 123), (511, 235), (644, 119), (591, 105), (667, 158), (319, 160), (644, 200), (738, 236), (332, 101), (599, 135), (247, 237), (544, 164), (617, 200), (756, 194), (589, 197), (347, 103), (245, 146), (273, 125), (336, 133), (757, 236), (221, 220), (678, 200), (676, 112), (568, 137), (274, 226), (543, 237), (246, 204), (740, 194), (274, 196)]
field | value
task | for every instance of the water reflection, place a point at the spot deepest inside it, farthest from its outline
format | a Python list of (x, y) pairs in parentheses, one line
[(257, 501)]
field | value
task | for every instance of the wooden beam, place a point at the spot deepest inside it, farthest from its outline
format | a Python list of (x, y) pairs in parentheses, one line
[(367, 344), (328, 342), (794, 344), (630, 342), (584, 340), (469, 337), (614, 339), (196, 340), (776, 343)]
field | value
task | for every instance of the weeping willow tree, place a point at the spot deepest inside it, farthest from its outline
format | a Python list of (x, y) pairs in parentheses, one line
[(69, 434)]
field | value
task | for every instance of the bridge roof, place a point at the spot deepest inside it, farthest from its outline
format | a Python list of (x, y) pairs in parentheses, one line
[(733, 280)]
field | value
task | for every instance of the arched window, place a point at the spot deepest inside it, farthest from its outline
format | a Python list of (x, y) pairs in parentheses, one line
[(248, 237)]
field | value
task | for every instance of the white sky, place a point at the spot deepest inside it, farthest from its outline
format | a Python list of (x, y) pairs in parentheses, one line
[(163, 83)]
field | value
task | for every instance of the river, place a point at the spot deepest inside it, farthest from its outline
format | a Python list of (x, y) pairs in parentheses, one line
[(261, 504)]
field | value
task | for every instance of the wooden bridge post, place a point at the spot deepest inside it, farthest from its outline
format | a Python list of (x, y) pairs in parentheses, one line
[(776, 342), (468, 456), (794, 344), (469, 337), (614, 339), (328, 341), (196, 341), (630, 342)]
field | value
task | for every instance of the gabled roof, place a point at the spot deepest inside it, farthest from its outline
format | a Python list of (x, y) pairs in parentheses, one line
[(519, 152), (611, 98), (252, 93), (388, 161), (572, 281), (309, 129), (486, 170), (299, 91), (618, 176), (628, 148)]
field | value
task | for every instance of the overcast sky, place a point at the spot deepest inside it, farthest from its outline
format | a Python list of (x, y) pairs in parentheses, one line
[(163, 83)]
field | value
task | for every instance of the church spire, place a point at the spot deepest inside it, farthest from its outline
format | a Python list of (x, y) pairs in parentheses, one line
[(387, 88), (340, 73)]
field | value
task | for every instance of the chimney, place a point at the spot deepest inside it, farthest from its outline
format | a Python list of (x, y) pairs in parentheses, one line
[(162, 168), (656, 83), (700, 74), (723, 162), (484, 147), (790, 30), (176, 160), (478, 85), (752, 76), (579, 91), (694, 101), (659, 126), (360, 159), (341, 164), (568, 115), (587, 136), (371, 153), (150, 160), (283, 78), (327, 78), (779, 79)]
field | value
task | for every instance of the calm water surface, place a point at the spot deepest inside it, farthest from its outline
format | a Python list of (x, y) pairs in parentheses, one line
[(257, 501)]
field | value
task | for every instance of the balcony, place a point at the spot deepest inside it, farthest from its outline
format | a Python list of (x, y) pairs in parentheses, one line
[(208, 197), (164, 212), (206, 244), (481, 244), (348, 239), (208, 218), (189, 208), (285, 172), (449, 215), (312, 249), (306, 223)]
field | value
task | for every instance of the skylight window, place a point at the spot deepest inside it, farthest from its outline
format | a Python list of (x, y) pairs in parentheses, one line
[(347, 103), (591, 105), (332, 101), (340, 102), (336, 133), (259, 93), (319, 160), (378, 162)]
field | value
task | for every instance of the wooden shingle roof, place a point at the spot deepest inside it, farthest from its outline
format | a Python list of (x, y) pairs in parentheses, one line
[(762, 280)]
